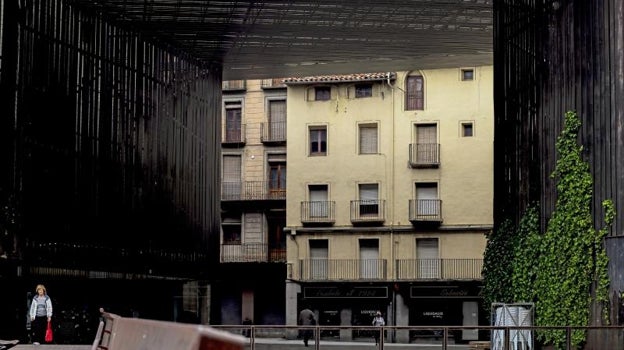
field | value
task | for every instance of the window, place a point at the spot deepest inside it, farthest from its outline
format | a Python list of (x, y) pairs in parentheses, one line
[(426, 150), (368, 139), (277, 175), (467, 74), (277, 120), (427, 199), (363, 90), (415, 93), (466, 129), (369, 258), (318, 201), (369, 199), (233, 112), (318, 140), (231, 181), (318, 258), (231, 229), (322, 93), (428, 258)]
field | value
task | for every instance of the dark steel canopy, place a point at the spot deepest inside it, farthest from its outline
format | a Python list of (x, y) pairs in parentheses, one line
[(263, 39)]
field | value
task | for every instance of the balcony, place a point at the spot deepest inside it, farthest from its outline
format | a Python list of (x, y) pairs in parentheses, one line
[(234, 85), (425, 210), (276, 83), (370, 211), (251, 190), (342, 270), (234, 136), (318, 213), (251, 252), (439, 269), (273, 132), (424, 155)]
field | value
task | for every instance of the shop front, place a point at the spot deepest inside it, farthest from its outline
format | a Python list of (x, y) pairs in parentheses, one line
[(445, 306), (346, 305)]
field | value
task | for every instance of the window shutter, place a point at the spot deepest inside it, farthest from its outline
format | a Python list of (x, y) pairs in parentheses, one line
[(369, 192), (368, 139)]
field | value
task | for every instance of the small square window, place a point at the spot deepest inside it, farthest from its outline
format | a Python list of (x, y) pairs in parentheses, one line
[(467, 129), (322, 93), (467, 74)]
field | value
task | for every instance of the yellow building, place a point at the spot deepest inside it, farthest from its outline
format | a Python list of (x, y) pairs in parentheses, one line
[(389, 197)]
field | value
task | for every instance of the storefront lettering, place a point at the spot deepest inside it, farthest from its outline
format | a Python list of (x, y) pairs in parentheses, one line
[(453, 293), (354, 292), (444, 292)]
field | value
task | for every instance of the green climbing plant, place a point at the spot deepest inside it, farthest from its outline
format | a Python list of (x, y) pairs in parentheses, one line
[(571, 253), (527, 245), (497, 276)]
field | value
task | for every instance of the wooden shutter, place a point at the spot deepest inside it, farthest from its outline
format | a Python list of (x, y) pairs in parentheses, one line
[(368, 139)]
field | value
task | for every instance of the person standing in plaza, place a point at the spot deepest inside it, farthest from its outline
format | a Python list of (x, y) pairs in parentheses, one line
[(40, 314), (378, 321), (307, 318)]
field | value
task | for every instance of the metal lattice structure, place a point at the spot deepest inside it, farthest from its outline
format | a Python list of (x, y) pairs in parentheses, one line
[(261, 39)]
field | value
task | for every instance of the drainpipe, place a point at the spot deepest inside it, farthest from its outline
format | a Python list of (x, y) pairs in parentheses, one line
[(392, 211)]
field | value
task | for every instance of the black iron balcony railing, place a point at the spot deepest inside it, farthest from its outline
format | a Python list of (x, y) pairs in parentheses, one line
[(318, 212), (342, 269), (252, 190), (424, 155), (234, 134), (273, 132), (251, 252), (439, 269), (273, 83), (368, 211), (234, 85), (425, 210)]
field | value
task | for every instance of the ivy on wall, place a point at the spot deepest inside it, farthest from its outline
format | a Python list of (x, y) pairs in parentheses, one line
[(564, 270), (569, 250), (497, 275), (527, 244)]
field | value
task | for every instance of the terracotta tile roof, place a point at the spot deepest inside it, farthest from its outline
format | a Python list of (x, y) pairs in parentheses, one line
[(344, 78)]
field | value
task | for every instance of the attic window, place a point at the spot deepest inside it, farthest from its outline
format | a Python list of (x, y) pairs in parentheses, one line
[(322, 93), (467, 74), (363, 90)]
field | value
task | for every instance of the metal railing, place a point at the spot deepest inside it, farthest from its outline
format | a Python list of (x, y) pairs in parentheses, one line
[(439, 269), (234, 85), (273, 132), (425, 210), (251, 190), (273, 83), (251, 252), (423, 155), (342, 269), (422, 337), (368, 211), (318, 212)]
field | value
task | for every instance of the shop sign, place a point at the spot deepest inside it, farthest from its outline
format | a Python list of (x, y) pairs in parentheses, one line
[(444, 292), (345, 292)]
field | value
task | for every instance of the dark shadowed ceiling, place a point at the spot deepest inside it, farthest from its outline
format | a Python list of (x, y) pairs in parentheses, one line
[(264, 39)]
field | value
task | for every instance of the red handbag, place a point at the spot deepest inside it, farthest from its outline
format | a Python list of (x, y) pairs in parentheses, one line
[(48, 336)]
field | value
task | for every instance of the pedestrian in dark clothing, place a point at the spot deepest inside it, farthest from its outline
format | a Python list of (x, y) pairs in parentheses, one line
[(307, 318), (247, 330)]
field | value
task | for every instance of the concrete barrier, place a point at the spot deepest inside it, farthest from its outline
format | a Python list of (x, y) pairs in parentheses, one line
[(120, 333)]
